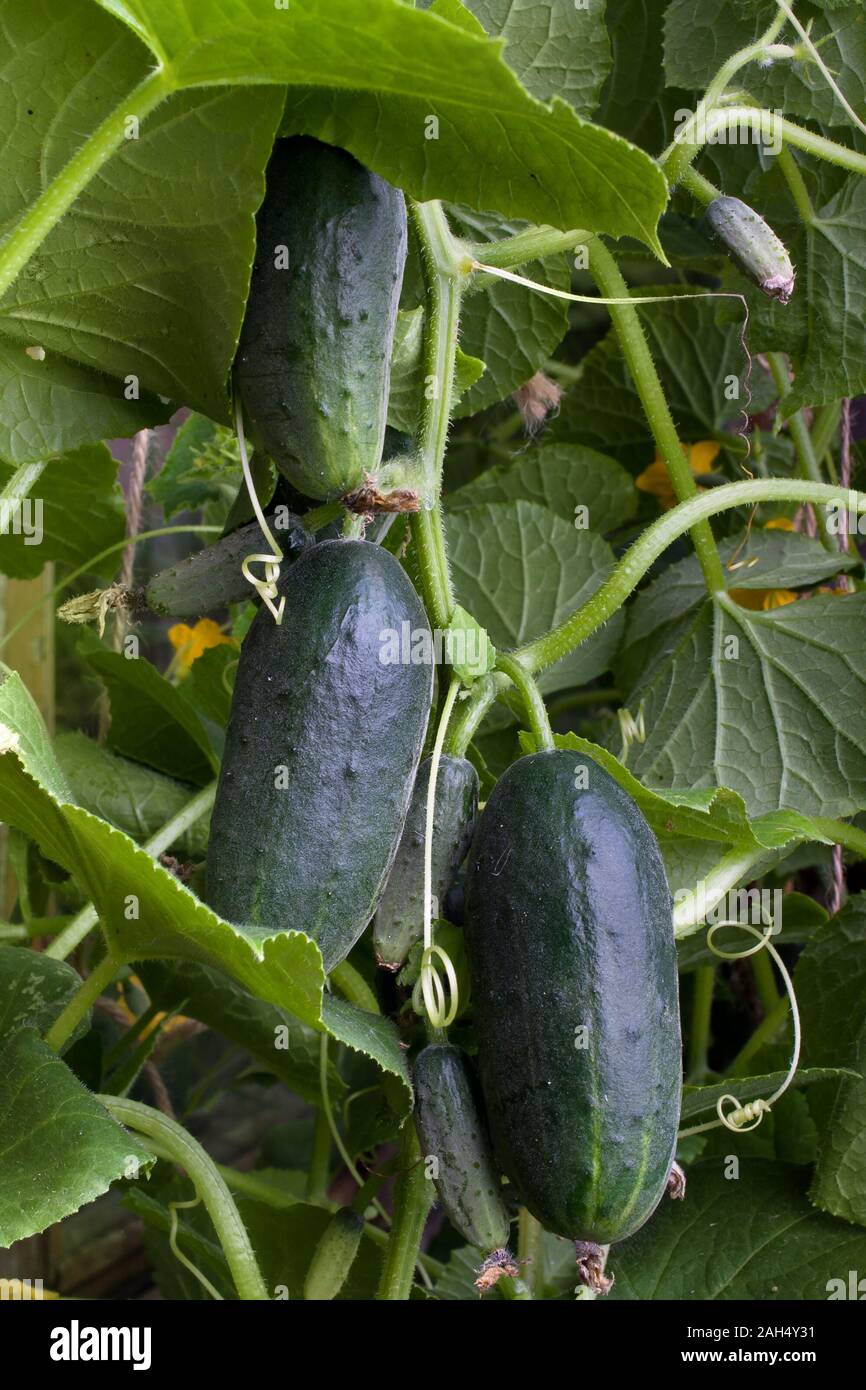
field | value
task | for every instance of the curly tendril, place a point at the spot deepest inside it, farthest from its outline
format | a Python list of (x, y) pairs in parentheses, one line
[(430, 981), (743, 1118), (266, 588)]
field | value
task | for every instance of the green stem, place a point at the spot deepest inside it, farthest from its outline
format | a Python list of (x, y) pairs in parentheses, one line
[(700, 188), (84, 997), (529, 1252), (765, 981), (790, 170), (764, 1033), (530, 245), (807, 459), (824, 427), (841, 833), (94, 560), (533, 704), (173, 1141), (471, 713), (22, 481), (652, 544), (683, 150), (699, 1032), (433, 571), (632, 339), (412, 1198), (197, 806), (59, 195), (352, 985), (782, 131), (583, 699), (732, 868), (320, 1161)]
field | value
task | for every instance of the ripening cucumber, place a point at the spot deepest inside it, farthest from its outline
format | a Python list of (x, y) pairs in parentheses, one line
[(574, 985), (451, 1131), (400, 916), (322, 748), (212, 578), (314, 361), (752, 245), (334, 1256)]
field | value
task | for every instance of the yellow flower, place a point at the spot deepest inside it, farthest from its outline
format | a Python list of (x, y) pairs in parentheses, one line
[(656, 480), (190, 642), (762, 600), (779, 523)]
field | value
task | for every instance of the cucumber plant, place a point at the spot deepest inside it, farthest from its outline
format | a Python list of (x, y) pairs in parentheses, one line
[(502, 813)]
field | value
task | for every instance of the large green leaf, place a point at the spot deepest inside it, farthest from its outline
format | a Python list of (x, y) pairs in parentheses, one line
[(767, 704), (135, 798), (403, 65), (756, 1237), (59, 1148), (146, 275), (34, 989), (147, 914), (562, 477), (80, 513), (520, 569), (634, 102), (831, 992), (556, 49)]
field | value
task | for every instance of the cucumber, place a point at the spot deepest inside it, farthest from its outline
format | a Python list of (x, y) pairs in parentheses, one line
[(322, 748), (451, 1131), (314, 361), (568, 928), (752, 245), (212, 577), (400, 916), (334, 1256)]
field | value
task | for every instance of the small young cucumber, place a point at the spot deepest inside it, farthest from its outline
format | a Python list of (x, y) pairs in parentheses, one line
[(752, 245), (451, 1131), (321, 751), (212, 578), (575, 995), (334, 1256), (400, 916), (314, 361)]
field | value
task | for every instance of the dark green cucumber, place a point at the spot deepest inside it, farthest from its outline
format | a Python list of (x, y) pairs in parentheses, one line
[(451, 1131), (322, 748), (752, 245), (314, 361), (334, 1256), (400, 916), (212, 577), (574, 986)]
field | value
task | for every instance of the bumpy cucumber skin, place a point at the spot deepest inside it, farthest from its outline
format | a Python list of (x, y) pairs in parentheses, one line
[(569, 926), (400, 916), (314, 362), (212, 577), (451, 1129), (313, 698), (334, 1256), (752, 245)]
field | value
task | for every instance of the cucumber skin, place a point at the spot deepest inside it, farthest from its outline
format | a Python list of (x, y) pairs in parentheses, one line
[(400, 916), (314, 361), (212, 577), (450, 1128), (334, 1256), (569, 923), (313, 697), (752, 245)]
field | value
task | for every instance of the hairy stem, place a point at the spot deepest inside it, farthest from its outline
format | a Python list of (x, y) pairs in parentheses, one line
[(171, 1141), (59, 195), (412, 1198), (84, 997), (533, 704), (530, 245), (655, 540), (635, 349), (699, 1032)]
